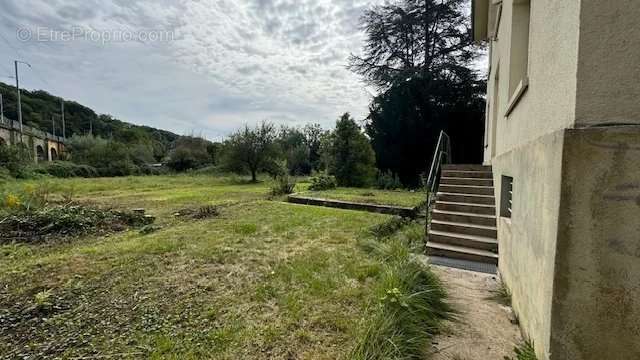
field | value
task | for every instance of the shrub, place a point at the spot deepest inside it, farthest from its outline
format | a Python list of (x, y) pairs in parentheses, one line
[(283, 185), (388, 181), (323, 182), (14, 158), (65, 169), (108, 157)]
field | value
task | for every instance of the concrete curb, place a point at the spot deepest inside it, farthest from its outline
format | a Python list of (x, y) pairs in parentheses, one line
[(382, 209)]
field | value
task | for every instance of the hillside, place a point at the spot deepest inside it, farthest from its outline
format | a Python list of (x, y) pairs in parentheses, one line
[(38, 107)]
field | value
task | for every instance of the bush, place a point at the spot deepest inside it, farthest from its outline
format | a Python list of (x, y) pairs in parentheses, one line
[(323, 182), (189, 153), (388, 180), (108, 157), (14, 158), (65, 169), (283, 185)]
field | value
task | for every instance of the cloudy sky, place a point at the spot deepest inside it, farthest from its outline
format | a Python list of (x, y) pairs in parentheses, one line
[(199, 67)]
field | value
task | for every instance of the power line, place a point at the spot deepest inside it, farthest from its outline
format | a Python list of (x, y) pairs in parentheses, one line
[(35, 71)]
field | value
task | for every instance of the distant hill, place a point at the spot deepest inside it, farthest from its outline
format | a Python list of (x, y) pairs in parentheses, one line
[(38, 107)]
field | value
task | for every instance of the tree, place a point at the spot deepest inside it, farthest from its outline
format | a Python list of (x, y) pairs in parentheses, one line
[(353, 159), (313, 135), (189, 152), (251, 149), (418, 53)]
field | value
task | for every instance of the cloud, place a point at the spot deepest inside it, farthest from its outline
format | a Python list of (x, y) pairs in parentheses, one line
[(230, 62)]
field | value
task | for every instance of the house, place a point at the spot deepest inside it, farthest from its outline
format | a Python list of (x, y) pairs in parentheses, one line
[(563, 140)]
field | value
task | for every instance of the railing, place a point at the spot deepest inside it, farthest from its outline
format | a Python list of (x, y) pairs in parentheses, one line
[(442, 155)]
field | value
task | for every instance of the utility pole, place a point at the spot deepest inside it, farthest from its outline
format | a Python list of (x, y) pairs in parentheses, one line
[(64, 128), (16, 62), (1, 109), (53, 126)]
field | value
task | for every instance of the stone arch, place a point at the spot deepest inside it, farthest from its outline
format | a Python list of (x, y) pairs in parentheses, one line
[(2, 142), (54, 154), (40, 153)]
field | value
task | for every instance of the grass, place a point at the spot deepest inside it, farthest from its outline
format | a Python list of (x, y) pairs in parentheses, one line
[(409, 304), (372, 196), (525, 352), (501, 295), (261, 279)]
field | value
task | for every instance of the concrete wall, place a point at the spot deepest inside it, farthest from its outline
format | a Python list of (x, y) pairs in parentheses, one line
[(596, 297), (571, 251), (548, 104), (608, 89), (527, 240)]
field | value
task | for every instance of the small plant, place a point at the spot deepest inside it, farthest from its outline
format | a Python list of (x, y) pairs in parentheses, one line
[(42, 299), (502, 295), (323, 182), (388, 181), (524, 352), (283, 185)]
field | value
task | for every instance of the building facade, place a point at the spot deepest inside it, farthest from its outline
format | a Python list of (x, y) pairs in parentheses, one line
[(563, 137)]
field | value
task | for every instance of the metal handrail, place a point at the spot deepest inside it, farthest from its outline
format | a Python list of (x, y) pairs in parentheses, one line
[(442, 155)]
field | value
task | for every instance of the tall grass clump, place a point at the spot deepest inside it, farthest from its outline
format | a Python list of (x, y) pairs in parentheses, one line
[(409, 303), (525, 352)]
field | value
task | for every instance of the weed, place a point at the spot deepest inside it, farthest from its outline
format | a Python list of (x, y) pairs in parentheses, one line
[(43, 299), (410, 305), (524, 351), (283, 185), (502, 295)]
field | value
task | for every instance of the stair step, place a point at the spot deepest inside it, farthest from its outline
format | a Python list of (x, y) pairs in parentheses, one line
[(461, 252), (466, 208), (466, 167), (466, 181), (467, 174), (463, 218), (464, 228), (468, 241), (465, 189), (466, 198)]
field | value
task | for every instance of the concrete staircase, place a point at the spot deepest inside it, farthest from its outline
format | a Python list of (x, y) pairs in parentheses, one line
[(463, 220)]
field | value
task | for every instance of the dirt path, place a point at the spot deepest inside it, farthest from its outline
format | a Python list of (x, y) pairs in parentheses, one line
[(483, 329)]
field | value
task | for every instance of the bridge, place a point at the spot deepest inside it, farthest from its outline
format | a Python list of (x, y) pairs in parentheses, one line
[(44, 146)]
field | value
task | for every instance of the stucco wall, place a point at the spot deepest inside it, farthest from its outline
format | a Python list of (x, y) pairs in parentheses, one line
[(527, 241), (550, 101), (608, 89), (596, 298)]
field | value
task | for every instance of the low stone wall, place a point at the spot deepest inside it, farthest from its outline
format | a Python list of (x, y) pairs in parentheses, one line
[(340, 204)]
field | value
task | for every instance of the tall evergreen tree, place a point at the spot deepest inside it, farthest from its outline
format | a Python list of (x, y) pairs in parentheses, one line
[(419, 55), (353, 159)]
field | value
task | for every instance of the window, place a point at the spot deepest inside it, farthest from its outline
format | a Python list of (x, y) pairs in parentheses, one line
[(519, 54), (506, 196)]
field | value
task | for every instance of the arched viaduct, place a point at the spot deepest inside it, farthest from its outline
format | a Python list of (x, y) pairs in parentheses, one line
[(43, 145)]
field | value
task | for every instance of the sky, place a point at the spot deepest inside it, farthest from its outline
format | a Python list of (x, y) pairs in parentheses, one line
[(197, 67)]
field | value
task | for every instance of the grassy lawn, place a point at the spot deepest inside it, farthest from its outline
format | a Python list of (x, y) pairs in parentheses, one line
[(263, 280), (371, 196)]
